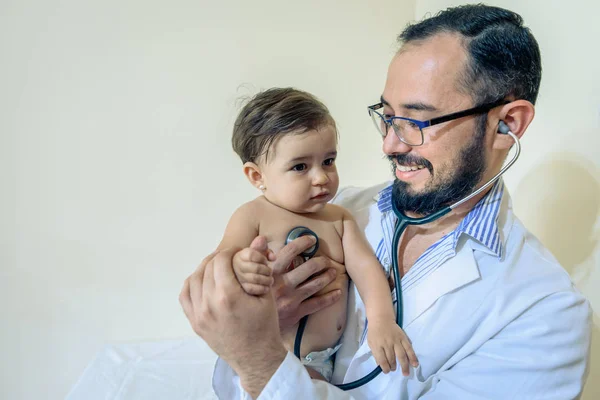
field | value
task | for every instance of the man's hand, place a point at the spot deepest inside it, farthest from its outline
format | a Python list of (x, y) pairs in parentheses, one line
[(293, 289), (242, 329)]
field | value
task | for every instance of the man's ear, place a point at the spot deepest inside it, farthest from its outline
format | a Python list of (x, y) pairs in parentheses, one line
[(517, 115), (254, 175)]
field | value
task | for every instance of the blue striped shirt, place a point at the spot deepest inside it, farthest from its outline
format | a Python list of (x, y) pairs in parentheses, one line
[(480, 224)]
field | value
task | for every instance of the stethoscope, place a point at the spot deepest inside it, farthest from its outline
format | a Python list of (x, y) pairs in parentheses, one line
[(403, 222)]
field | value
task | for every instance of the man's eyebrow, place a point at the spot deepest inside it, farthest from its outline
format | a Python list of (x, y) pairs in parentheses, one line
[(412, 106)]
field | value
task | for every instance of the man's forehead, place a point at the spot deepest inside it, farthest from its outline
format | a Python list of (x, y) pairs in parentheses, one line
[(427, 71)]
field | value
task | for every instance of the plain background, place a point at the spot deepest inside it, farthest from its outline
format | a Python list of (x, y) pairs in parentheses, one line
[(118, 175)]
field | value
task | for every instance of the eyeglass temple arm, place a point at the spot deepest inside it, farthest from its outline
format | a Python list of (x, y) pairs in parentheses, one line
[(471, 111), (374, 107)]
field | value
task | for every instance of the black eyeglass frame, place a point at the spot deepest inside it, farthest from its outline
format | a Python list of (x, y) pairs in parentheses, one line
[(481, 109)]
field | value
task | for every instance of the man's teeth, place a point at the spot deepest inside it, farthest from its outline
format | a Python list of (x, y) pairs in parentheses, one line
[(406, 168)]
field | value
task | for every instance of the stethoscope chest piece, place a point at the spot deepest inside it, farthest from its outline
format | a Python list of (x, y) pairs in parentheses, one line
[(299, 231)]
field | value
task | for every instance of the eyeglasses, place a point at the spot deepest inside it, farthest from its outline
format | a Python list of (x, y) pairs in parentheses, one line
[(410, 131)]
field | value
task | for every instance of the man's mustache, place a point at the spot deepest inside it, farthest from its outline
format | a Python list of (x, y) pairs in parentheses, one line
[(411, 159)]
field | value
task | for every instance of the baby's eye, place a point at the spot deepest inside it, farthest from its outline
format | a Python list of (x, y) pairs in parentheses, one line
[(329, 162), (299, 167)]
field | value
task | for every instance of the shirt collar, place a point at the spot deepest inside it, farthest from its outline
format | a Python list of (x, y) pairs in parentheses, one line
[(481, 223)]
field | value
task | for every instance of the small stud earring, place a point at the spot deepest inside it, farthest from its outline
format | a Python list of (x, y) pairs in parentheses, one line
[(261, 187)]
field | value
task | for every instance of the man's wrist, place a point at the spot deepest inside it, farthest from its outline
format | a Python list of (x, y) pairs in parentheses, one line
[(255, 374)]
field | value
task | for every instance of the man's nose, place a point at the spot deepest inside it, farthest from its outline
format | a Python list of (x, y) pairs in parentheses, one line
[(393, 145)]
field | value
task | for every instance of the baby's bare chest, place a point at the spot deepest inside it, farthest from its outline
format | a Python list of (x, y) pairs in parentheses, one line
[(276, 224)]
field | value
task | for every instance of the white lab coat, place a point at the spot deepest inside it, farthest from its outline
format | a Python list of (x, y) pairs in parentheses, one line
[(482, 327)]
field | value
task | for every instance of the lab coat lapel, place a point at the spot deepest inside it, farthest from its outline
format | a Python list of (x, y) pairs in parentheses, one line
[(451, 275)]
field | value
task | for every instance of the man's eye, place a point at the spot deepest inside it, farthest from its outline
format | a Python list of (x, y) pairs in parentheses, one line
[(388, 116), (412, 124), (329, 162), (299, 167)]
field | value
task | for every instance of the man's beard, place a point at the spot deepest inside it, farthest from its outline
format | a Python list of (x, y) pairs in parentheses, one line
[(467, 172)]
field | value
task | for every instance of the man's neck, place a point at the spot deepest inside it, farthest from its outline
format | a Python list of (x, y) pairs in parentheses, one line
[(450, 221), (418, 238)]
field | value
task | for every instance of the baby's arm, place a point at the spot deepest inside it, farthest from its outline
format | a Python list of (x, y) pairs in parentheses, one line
[(249, 265), (386, 340)]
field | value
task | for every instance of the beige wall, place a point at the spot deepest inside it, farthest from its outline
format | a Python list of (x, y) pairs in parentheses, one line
[(117, 173), (556, 183), (114, 150)]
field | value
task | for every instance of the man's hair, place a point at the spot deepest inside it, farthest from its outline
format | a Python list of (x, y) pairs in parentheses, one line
[(272, 114), (504, 57)]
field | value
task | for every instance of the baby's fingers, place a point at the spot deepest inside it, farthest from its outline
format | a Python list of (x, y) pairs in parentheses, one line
[(255, 279), (412, 357), (251, 255), (254, 289), (381, 359), (402, 358), (254, 268), (390, 356)]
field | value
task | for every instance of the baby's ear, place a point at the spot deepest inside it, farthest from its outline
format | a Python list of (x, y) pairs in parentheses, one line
[(252, 172)]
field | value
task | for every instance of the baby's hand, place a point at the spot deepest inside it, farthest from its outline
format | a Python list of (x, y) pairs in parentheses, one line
[(388, 342), (251, 270)]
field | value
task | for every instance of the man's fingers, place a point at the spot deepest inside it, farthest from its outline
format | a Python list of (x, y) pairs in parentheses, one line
[(207, 259), (208, 280), (305, 270), (185, 299), (196, 283), (317, 303), (224, 278), (287, 254), (316, 283)]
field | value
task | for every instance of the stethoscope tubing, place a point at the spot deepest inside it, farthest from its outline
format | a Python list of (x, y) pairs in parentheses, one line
[(403, 222)]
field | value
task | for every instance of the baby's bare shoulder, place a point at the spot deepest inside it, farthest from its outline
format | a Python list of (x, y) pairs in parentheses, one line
[(337, 212), (254, 209)]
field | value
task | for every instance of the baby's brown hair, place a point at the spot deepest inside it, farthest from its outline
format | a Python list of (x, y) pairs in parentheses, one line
[(272, 114)]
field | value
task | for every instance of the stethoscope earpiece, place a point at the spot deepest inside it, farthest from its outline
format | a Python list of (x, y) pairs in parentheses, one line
[(503, 128)]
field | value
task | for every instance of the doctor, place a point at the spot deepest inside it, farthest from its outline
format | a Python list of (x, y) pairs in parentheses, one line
[(490, 312)]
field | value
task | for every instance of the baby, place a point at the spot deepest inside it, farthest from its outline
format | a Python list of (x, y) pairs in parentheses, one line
[(287, 141)]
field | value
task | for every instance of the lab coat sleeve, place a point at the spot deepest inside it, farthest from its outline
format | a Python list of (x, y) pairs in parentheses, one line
[(291, 382), (542, 354)]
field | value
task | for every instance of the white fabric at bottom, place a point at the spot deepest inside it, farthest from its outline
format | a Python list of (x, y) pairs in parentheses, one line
[(170, 369)]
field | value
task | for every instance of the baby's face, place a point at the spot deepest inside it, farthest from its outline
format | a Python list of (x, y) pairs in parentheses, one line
[(300, 174)]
